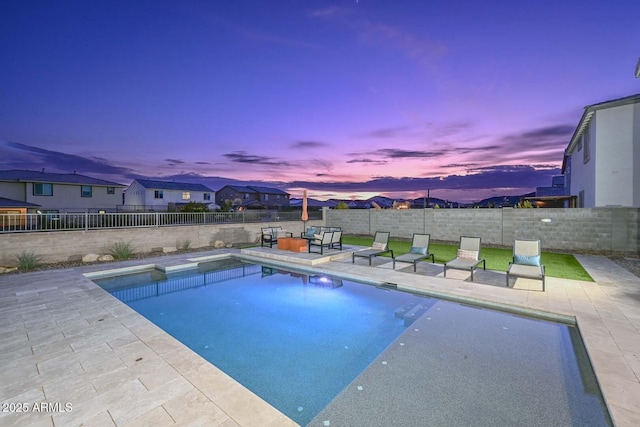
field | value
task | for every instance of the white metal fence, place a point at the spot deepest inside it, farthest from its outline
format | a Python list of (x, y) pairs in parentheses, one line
[(14, 223)]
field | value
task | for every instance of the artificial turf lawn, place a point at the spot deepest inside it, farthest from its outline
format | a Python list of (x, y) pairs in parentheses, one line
[(564, 266)]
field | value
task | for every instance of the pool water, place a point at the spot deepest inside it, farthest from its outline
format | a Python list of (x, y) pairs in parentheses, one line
[(297, 340)]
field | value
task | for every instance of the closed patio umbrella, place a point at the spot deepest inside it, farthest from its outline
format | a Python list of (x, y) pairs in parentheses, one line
[(305, 214)]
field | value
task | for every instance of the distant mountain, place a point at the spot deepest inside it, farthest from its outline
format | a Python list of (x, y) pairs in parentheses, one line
[(503, 201)]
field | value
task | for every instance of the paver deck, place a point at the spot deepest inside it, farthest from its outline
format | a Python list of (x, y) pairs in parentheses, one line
[(63, 340)]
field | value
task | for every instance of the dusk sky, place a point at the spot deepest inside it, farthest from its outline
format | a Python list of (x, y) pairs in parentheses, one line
[(348, 99)]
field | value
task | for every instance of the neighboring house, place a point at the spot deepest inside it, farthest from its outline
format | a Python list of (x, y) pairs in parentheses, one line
[(60, 192), (252, 197), (602, 161), (556, 196), (13, 212), (148, 194)]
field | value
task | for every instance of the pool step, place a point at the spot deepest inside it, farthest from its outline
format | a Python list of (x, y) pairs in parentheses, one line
[(413, 314), (400, 312), (410, 312)]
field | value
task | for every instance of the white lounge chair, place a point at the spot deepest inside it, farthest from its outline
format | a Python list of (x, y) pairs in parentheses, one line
[(526, 261), (468, 256), (380, 246), (419, 251)]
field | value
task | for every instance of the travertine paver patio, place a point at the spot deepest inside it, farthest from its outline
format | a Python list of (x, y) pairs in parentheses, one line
[(64, 340)]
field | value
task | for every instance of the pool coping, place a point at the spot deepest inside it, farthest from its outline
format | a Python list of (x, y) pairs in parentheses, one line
[(50, 323)]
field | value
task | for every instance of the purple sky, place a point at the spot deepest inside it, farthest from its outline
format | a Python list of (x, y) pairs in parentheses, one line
[(345, 98)]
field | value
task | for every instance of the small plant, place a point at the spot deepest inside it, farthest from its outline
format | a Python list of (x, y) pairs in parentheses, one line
[(28, 260), (184, 245), (121, 250)]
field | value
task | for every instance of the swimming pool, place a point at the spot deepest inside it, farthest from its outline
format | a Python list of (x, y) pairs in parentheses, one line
[(299, 340)]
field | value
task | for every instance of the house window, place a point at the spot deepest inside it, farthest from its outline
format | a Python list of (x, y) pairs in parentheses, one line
[(206, 196), (85, 191), (186, 195), (41, 189), (587, 146), (265, 197), (158, 194), (277, 197), (111, 190), (246, 196)]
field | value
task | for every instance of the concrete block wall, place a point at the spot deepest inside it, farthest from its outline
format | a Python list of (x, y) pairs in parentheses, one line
[(597, 229), (62, 246)]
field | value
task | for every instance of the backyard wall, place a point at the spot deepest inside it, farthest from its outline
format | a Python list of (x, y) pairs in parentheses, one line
[(58, 246), (596, 229)]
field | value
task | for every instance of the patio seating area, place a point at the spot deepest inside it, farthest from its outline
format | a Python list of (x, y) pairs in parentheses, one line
[(65, 339)]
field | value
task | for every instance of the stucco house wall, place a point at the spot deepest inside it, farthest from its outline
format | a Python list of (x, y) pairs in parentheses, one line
[(141, 195), (66, 191), (602, 160), (614, 156), (68, 198), (13, 190)]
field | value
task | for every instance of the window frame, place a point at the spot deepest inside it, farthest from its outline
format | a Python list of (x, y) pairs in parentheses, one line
[(84, 193), (42, 191), (186, 195), (158, 194), (111, 190)]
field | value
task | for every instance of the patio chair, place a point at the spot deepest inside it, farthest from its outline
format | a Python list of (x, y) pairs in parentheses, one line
[(526, 261), (270, 235), (380, 246), (322, 241), (468, 257), (336, 240), (419, 251), (311, 231)]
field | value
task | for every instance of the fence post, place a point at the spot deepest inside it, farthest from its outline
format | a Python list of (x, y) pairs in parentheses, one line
[(157, 215), (86, 221), (243, 216)]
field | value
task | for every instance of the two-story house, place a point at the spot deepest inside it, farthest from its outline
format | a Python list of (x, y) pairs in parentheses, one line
[(148, 194), (252, 197), (58, 192), (602, 161)]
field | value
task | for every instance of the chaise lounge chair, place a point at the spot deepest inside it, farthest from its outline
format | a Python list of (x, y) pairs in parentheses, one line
[(468, 258), (526, 261), (380, 246), (419, 251)]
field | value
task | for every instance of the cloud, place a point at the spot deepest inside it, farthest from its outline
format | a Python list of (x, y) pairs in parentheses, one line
[(545, 138), (308, 144), (372, 161), (388, 132), (396, 153), (522, 177), (173, 162), (243, 157), (331, 12), (426, 51), (21, 156)]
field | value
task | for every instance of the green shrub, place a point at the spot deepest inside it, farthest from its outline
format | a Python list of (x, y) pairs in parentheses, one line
[(28, 260), (195, 207), (184, 245), (121, 250)]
